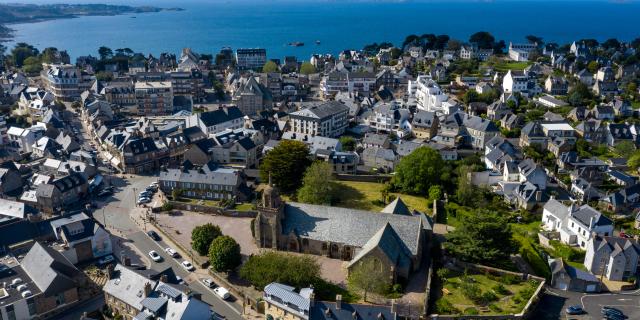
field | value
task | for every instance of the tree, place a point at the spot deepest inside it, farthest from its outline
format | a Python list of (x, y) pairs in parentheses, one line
[(105, 53), (612, 43), (625, 149), (534, 39), (632, 89), (348, 143), (286, 165), (21, 52), (634, 160), (593, 66), (484, 236), (32, 65), (435, 193), (483, 39), (369, 276), (224, 254), (317, 184), (578, 94), (410, 40), (49, 55), (104, 76), (202, 236), (418, 171), (307, 68), (454, 45), (272, 266), (270, 67)]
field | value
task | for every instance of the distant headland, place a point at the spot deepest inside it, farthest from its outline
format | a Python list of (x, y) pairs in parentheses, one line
[(24, 13)]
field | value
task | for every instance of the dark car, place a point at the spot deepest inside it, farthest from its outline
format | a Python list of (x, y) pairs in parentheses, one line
[(105, 193), (612, 313), (574, 310), (153, 235)]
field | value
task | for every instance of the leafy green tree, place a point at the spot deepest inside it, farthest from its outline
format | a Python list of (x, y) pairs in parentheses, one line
[(625, 149), (202, 236), (578, 94), (224, 254), (418, 171), (483, 237), (483, 39), (307, 68), (611, 44), (634, 160), (286, 165), (435, 193), (271, 266), (593, 66), (317, 184), (270, 67), (21, 52), (104, 76), (105, 53), (49, 55), (369, 276), (348, 143), (32, 65), (534, 39), (632, 89)]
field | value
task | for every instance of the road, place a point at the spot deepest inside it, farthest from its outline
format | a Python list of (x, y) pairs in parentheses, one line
[(118, 214), (554, 303)]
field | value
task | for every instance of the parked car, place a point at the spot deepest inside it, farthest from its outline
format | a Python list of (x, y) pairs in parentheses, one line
[(222, 293), (145, 194), (208, 282), (153, 235), (171, 252), (187, 265), (575, 310), (143, 200), (105, 193), (611, 312), (106, 260), (155, 256)]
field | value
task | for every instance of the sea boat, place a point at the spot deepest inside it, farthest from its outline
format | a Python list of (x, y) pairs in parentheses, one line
[(296, 44)]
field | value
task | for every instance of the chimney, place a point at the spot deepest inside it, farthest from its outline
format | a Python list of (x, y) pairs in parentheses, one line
[(394, 306), (147, 289), (164, 278), (538, 196), (312, 299), (591, 222), (338, 301), (110, 271)]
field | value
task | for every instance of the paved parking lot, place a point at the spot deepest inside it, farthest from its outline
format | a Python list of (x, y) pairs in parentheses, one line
[(554, 303)]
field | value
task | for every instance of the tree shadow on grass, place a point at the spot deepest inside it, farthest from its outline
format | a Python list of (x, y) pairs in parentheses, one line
[(349, 197)]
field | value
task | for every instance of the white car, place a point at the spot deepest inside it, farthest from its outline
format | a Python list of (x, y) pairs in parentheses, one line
[(187, 265), (143, 200), (171, 252), (155, 256), (222, 293), (208, 282)]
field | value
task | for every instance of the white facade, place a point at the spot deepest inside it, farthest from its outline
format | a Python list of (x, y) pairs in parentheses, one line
[(570, 222), (428, 94), (514, 82)]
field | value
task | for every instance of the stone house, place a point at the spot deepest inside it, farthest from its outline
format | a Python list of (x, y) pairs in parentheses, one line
[(614, 258)]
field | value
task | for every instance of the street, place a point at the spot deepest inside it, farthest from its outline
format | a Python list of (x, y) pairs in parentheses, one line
[(554, 303), (122, 218)]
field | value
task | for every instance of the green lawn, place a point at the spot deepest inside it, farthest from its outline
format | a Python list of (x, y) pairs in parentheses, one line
[(365, 196), (244, 207), (635, 104), (484, 294), (504, 66)]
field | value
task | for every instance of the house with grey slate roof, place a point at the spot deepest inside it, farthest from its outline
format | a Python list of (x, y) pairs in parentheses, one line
[(576, 225), (328, 120), (395, 238), (613, 257)]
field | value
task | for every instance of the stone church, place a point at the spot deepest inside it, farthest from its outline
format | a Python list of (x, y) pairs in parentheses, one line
[(395, 237)]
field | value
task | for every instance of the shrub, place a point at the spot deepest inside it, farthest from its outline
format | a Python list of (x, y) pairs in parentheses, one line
[(293, 270), (493, 307), (511, 279), (397, 288), (472, 291), (224, 254), (487, 297), (444, 306), (471, 311), (202, 236), (166, 206), (500, 289)]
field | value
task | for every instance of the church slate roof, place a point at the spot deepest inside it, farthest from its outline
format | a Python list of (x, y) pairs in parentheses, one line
[(348, 226)]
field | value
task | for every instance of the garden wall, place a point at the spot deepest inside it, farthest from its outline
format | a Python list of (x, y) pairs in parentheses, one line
[(363, 178), (210, 210), (526, 311)]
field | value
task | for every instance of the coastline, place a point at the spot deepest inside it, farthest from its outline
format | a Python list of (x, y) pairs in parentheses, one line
[(7, 35)]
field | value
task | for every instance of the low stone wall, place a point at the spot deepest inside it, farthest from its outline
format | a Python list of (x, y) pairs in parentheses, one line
[(177, 205), (363, 178), (526, 311), (546, 237)]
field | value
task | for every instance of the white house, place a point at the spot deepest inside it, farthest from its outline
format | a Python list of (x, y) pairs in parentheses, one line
[(428, 94), (576, 225), (615, 258)]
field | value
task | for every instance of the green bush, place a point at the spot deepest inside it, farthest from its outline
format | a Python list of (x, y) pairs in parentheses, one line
[(566, 252), (471, 311), (444, 306), (293, 270), (493, 307), (500, 289), (487, 297), (531, 256), (510, 279), (472, 291)]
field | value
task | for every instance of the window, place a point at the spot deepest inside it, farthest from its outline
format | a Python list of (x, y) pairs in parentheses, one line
[(60, 299), (11, 313), (31, 304)]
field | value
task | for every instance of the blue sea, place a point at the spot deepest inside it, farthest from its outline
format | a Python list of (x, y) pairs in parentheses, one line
[(207, 26)]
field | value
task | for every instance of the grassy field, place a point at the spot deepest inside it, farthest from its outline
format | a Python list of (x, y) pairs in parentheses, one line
[(504, 66), (365, 196), (484, 294)]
